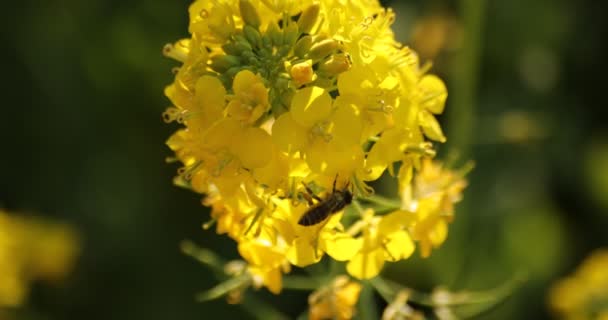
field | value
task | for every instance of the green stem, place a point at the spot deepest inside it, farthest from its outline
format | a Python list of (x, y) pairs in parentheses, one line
[(366, 306), (386, 203), (358, 207), (202, 255), (261, 309), (461, 113), (388, 290), (300, 283), (477, 302)]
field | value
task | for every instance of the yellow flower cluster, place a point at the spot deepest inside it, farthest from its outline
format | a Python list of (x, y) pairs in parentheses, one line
[(335, 301), (32, 249), (290, 108), (584, 294)]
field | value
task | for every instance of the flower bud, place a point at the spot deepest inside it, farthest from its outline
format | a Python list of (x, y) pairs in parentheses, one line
[(302, 73), (252, 35), (308, 18), (323, 49), (302, 46), (249, 13), (224, 62), (275, 34), (291, 33), (335, 65)]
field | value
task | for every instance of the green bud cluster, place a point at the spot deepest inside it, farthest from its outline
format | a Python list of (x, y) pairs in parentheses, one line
[(272, 51)]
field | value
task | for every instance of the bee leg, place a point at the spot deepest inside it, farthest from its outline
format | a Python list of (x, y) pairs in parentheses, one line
[(308, 198), (334, 187), (311, 194)]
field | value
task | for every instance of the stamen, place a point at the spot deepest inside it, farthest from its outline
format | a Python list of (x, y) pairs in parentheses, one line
[(207, 225), (171, 114)]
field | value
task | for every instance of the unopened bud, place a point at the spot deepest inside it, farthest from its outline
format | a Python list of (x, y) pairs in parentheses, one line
[(223, 63), (252, 35), (275, 34), (336, 64), (308, 18), (302, 46), (302, 73), (323, 49), (291, 33), (178, 51), (249, 13)]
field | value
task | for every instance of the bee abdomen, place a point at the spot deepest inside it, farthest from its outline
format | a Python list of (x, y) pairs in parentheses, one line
[(314, 216), (334, 203)]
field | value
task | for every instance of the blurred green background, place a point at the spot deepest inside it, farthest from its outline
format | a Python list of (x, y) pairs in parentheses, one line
[(84, 143)]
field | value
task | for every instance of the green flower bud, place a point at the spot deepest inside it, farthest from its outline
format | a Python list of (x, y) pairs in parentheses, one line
[(243, 47), (336, 64), (323, 49), (249, 14), (252, 35), (302, 46), (275, 34), (231, 48), (223, 63), (231, 73), (308, 18), (291, 34)]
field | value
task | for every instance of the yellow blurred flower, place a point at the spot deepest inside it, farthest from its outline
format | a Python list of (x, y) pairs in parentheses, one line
[(436, 33), (398, 309), (583, 294), (282, 99), (385, 238), (432, 196), (32, 249), (335, 301)]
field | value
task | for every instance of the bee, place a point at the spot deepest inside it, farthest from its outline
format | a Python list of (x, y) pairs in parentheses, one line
[(335, 201)]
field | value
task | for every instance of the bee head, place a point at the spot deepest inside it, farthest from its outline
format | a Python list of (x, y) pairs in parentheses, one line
[(348, 196)]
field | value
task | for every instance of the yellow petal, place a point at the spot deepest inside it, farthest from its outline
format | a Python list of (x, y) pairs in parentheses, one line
[(310, 105), (302, 252), (243, 81), (430, 126), (399, 246), (396, 221), (209, 91), (366, 265), (387, 150), (253, 147), (274, 280), (439, 233), (341, 246), (222, 134), (347, 126), (260, 253), (330, 160), (276, 171), (434, 93), (288, 135)]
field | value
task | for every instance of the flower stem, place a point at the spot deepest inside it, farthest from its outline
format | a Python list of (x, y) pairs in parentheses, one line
[(202, 255), (465, 70), (300, 283), (367, 308), (385, 203), (468, 303), (261, 309)]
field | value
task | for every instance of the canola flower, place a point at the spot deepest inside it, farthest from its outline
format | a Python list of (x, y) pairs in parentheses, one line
[(335, 301), (283, 102), (32, 249), (584, 293)]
